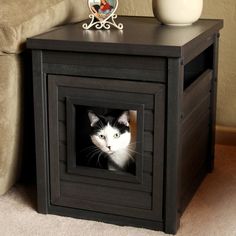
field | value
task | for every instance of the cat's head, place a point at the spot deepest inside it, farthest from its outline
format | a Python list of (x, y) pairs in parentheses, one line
[(109, 133)]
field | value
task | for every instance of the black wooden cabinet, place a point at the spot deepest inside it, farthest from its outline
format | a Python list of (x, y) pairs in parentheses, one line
[(167, 76)]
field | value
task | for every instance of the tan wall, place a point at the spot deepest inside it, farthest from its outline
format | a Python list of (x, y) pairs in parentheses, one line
[(223, 9)]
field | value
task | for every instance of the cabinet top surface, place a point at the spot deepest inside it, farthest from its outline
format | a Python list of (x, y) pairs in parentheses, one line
[(140, 36)]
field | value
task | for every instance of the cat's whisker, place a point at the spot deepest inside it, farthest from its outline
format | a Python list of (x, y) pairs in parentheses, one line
[(133, 151), (93, 150), (135, 143), (90, 159), (131, 157), (92, 154), (98, 160), (87, 148)]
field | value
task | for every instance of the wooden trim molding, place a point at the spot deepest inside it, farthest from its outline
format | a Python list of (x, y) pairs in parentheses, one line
[(226, 135)]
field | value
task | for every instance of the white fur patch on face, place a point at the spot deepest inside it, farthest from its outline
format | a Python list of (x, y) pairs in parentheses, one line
[(109, 139)]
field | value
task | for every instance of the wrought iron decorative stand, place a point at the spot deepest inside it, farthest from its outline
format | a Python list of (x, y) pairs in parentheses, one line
[(106, 23), (100, 22)]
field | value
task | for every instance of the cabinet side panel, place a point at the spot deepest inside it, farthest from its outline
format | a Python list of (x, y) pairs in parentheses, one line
[(40, 116)]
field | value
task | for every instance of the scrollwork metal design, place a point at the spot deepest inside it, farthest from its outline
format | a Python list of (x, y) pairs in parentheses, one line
[(106, 23)]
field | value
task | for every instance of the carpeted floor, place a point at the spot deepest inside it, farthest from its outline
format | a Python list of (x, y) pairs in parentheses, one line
[(212, 212)]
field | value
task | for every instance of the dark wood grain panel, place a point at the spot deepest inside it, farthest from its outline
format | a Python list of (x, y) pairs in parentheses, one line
[(108, 195), (194, 152), (109, 60), (104, 97), (197, 113), (62, 151), (148, 142), (149, 120), (100, 207), (62, 132), (173, 145), (106, 65), (71, 209), (119, 184), (41, 132), (196, 91), (105, 84), (214, 54), (148, 162), (62, 110)]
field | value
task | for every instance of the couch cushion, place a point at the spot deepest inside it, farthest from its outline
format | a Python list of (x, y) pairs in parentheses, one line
[(26, 18), (10, 119)]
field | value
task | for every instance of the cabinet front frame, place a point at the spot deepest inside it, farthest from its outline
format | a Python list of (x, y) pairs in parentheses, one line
[(154, 93)]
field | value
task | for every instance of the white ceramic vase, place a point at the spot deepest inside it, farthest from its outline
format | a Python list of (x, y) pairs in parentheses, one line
[(177, 12)]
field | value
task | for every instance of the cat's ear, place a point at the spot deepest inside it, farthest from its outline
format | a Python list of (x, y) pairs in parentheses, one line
[(124, 118), (93, 118)]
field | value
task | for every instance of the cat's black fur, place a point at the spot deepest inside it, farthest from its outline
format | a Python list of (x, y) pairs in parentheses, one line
[(112, 119)]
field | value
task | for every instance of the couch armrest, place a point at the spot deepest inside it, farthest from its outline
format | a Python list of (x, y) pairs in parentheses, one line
[(26, 18)]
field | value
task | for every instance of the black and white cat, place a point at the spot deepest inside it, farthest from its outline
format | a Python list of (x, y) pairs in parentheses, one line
[(111, 136)]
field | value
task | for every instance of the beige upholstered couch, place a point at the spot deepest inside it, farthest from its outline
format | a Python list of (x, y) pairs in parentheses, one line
[(20, 19)]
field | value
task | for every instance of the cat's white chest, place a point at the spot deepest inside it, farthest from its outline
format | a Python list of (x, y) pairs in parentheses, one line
[(120, 158)]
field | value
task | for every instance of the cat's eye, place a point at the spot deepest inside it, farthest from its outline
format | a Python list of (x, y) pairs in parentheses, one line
[(101, 136), (117, 135)]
